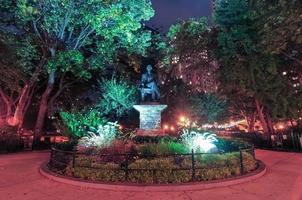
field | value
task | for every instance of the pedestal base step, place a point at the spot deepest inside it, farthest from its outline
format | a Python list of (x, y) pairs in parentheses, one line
[(151, 132)]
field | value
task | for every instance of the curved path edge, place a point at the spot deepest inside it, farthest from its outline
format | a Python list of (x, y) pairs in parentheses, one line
[(44, 171)]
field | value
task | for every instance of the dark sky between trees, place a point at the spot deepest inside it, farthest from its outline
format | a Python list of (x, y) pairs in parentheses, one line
[(167, 12)]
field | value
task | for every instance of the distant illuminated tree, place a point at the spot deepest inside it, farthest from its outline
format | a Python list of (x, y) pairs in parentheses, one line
[(208, 107), (188, 56), (246, 65)]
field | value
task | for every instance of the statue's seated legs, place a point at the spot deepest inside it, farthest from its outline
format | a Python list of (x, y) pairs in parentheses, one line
[(151, 88)]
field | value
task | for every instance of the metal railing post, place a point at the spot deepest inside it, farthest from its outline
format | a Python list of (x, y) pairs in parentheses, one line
[(193, 166), (126, 168), (253, 151), (241, 162), (73, 160), (154, 176), (51, 156)]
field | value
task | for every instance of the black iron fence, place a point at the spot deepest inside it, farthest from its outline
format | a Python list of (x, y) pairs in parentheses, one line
[(290, 140), (61, 160)]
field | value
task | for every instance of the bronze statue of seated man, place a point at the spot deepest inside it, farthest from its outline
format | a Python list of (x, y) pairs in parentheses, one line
[(148, 85)]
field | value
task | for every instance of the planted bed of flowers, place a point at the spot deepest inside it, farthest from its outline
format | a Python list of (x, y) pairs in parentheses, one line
[(105, 156)]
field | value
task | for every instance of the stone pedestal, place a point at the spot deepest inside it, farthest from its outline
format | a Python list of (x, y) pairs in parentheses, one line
[(150, 119)]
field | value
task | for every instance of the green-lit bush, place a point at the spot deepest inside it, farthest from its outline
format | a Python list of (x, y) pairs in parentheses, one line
[(79, 123), (230, 145), (117, 97)]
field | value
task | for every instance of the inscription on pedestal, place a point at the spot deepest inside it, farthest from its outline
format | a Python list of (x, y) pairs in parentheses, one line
[(150, 116)]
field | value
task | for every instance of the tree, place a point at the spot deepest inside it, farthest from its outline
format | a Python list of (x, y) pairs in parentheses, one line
[(208, 107), (245, 65), (280, 31), (21, 62), (187, 56), (80, 36), (280, 34)]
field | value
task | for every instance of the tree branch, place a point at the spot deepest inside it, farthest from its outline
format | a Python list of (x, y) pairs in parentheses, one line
[(36, 29), (292, 58)]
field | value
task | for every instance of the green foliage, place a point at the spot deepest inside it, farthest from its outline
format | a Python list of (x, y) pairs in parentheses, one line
[(162, 148), (279, 24), (160, 170), (117, 97), (231, 145), (234, 20), (208, 106), (245, 64), (23, 52), (80, 123), (69, 61), (190, 28), (187, 56), (107, 172), (164, 168), (74, 21)]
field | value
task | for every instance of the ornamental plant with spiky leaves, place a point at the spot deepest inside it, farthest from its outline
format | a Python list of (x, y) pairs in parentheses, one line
[(102, 137), (117, 97), (202, 142)]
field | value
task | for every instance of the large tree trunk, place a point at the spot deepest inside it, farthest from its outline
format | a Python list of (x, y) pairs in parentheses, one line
[(8, 105), (26, 96), (44, 102), (261, 115), (251, 122), (30, 96), (44, 105), (270, 124), (19, 112)]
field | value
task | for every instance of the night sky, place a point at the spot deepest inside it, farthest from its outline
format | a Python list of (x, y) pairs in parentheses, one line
[(168, 12)]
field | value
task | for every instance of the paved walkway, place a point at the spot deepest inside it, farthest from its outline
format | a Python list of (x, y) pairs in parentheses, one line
[(20, 180)]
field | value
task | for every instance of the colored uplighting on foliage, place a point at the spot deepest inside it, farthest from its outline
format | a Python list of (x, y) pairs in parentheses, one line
[(199, 142)]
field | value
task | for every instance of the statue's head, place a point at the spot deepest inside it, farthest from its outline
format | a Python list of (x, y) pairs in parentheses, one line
[(149, 68)]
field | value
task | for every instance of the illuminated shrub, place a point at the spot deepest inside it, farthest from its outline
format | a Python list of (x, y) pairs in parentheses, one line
[(118, 97), (198, 141), (103, 136)]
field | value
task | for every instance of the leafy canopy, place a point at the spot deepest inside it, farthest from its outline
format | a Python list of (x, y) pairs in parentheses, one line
[(103, 27), (208, 107), (79, 123)]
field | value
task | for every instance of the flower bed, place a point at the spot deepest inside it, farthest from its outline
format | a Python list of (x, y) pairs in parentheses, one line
[(143, 166)]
